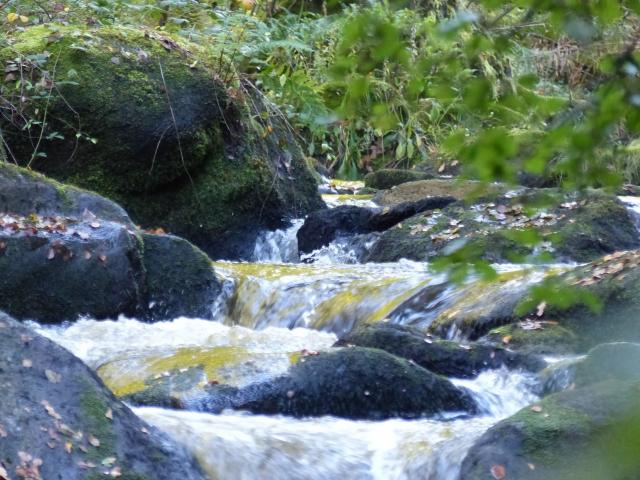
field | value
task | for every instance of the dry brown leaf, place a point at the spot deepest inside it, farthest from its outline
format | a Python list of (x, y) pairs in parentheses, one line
[(540, 308), (109, 414), (52, 376), (498, 472), (50, 410), (3, 474), (94, 441), (536, 408)]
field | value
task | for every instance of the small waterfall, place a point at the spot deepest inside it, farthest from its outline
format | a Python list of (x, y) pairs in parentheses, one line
[(633, 207), (278, 246)]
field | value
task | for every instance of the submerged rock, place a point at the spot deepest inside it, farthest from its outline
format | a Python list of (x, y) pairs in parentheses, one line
[(160, 134), (439, 356), (323, 226), (571, 229), (390, 177), (57, 420), (65, 261), (358, 383), (586, 433)]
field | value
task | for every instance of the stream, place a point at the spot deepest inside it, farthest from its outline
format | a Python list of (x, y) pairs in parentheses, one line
[(277, 306)]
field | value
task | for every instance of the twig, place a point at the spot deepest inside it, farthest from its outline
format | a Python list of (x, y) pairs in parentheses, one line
[(46, 111), (175, 123)]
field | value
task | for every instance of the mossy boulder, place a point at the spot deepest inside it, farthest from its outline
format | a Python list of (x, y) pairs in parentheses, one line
[(535, 337), (142, 119), (586, 433), (437, 187), (619, 361), (358, 383), (499, 229), (390, 177), (59, 420), (438, 356), (613, 282), (59, 260)]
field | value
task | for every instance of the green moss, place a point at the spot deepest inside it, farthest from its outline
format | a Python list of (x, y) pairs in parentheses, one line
[(94, 407), (549, 338)]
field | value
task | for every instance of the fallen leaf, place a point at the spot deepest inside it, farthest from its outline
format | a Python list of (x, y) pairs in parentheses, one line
[(3, 432), (109, 414), (68, 446), (498, 472), (107, 462), (540, 308), (52, 376), (94, 224), (50, 410), (115, 472), (52, 254), (536, 408), (26, 363), (506, 339), (94, 441), (3, 474)]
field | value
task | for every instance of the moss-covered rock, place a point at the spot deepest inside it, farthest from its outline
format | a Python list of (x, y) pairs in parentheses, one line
[(351, 382), (535, 337), (608, 361), (139, 117), (587, 433), (59, 260), (417, 190), (613, 281), (59, 420), (438, 356), (499, 229), (390, 177)]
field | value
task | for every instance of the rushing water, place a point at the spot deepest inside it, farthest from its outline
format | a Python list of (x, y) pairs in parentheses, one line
[(277, 306)]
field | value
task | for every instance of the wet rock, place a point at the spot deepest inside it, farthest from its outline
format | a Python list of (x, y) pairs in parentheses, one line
[(323, 226), (459, 189), (167, 140), (438, 356), (66, 261), (589, 432), (179, 278), (358, 383), (613, 283), (24, 192), (619, 361), (571, 229), (57, 420), (390, 177), (535, 337)]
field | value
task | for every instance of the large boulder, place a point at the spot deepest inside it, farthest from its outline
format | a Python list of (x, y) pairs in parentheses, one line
[(586, 433), (390, 177), (323, 226), (499, 229), (359, 383), (437, 187), (438, 356), (58, 421), (145, 120), (59, 260)]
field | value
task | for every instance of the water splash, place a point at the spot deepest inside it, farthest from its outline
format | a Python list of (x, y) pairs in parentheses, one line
[(278, 246), (249, 447)]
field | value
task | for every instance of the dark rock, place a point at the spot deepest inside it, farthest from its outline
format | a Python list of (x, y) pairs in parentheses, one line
[(575, 229), (359, 383), (323, 226), (438, 356), (535, 337), (587, 433), (179, 278), (49, 398), (59, 260), (24, 192), (390, 177), (52, 277), (169, 143)]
